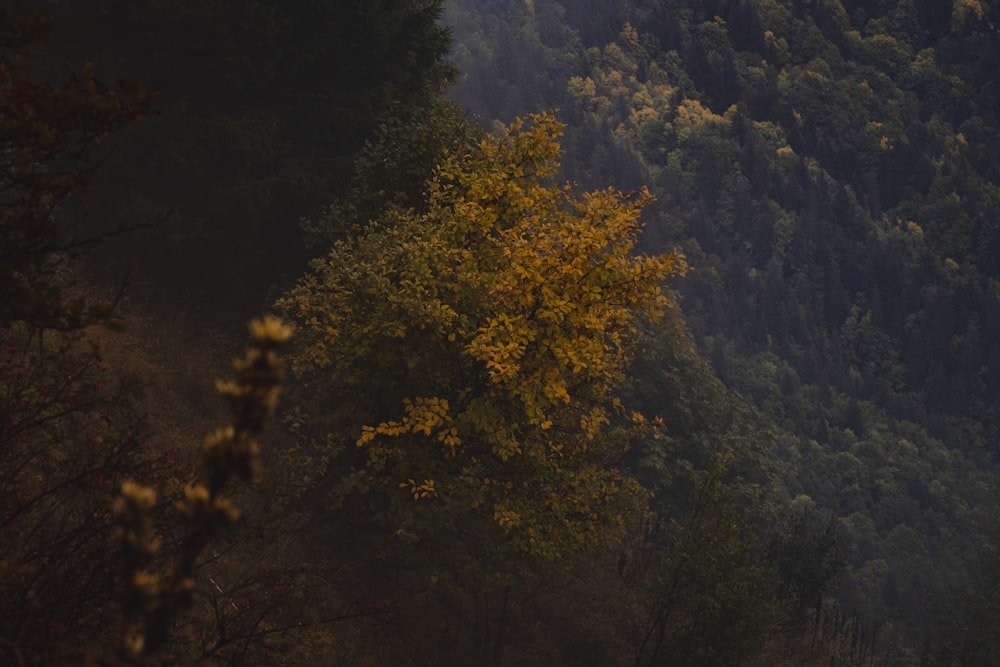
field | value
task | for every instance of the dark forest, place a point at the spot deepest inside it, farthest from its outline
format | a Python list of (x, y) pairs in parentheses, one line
[(652, 333)]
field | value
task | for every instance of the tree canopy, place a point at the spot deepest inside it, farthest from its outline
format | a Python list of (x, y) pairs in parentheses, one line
[(50, 142), (464, 360)]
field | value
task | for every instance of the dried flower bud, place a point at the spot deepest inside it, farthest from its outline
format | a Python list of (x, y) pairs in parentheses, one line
[(216, 447), (135, 500), (133, 642), (195, 503), (270, 331), (225, 511), (145, 584), (227, 451)]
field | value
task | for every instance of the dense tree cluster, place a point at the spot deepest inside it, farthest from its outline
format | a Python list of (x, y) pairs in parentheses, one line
[(50, 141), (512, 433), (263, 108), (828, 170)]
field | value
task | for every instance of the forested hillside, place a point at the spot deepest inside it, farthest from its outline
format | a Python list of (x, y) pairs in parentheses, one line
[(611, 333), (831, 172)]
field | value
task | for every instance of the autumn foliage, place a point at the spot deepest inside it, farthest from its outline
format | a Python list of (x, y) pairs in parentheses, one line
[(456, 368)]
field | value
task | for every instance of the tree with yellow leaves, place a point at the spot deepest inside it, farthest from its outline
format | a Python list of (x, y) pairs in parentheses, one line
[(456, 369)]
